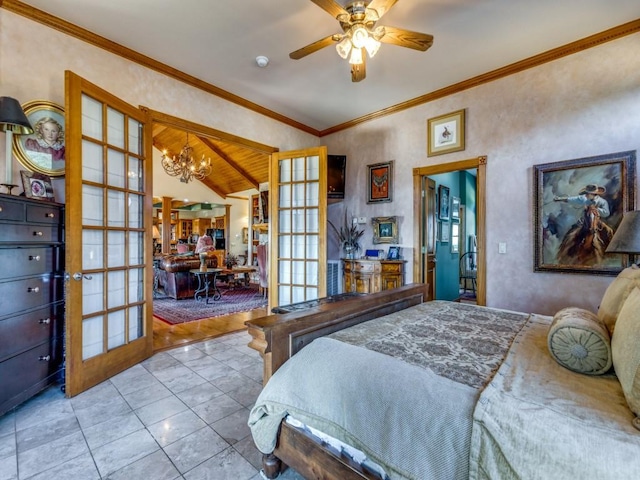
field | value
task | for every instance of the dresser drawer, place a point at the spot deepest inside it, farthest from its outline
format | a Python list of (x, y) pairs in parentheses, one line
[(28, 293), (44, 214), (392, 268), (366, 267), (12, 210), (22, 332), (25, 374), (31, 233), (22, 262)]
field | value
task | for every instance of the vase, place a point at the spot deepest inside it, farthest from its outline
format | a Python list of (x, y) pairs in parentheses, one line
[(203, 262), (350, 252)]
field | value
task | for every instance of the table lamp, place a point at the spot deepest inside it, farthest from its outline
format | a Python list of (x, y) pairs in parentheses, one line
[(12, 120), (627, 236)]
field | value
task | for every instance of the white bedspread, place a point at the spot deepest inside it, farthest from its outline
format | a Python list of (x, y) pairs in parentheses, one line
[(538, 420)]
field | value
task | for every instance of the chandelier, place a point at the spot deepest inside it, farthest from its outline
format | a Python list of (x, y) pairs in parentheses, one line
[(185, 166)]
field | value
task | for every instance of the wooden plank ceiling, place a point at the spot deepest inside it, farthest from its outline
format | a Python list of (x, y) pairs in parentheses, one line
[(235, 167)]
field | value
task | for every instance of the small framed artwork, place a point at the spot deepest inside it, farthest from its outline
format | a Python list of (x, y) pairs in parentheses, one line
[(394, 253), (443, 202), (444, 232), (245, 235), (445, 134), (578, 206), (380, 185), (37, 185), (43, 151), (455, 208), (385, 230)]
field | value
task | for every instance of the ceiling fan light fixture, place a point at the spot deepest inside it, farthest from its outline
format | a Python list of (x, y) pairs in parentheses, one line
[(359, 36), (372, 46), (356, 57), (344, 47)]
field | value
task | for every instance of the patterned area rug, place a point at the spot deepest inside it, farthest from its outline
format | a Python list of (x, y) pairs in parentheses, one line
[(234, 300)]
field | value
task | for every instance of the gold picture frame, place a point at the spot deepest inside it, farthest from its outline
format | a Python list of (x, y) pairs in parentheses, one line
[(385, 230), (37, 185), (446, 133), (42, 151)]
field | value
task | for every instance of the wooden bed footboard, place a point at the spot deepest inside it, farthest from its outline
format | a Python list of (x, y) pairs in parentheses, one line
[(279, 337)]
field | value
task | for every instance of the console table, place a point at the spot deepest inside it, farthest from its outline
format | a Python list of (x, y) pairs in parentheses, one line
[(370, 276)]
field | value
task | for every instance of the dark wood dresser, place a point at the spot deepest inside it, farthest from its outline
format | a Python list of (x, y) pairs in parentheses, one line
[(31, 297)]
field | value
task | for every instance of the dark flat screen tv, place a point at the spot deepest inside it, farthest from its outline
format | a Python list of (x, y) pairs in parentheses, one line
[(336, 170)]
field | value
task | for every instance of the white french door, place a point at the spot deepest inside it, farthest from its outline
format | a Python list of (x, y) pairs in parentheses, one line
[(108, 240), (298, 226)]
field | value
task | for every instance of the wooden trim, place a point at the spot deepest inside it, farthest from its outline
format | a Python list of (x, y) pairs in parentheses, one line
[(229, 161), (80, 33), (481, 215), (68, 28), (535, 61)]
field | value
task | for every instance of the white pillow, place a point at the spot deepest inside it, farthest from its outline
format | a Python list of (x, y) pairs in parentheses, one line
[(625, 346), (579, 341)]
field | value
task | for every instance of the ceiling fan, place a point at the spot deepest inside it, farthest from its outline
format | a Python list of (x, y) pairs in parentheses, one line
[(361, 35)]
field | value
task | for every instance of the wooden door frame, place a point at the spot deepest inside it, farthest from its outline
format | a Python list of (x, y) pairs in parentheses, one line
[(480, 163)]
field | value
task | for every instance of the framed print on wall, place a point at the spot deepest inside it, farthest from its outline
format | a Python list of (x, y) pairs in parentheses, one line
[(445, 134), (385, 230), (43, 151), (578, 206), (380, 186), (455, 208), (443, 202)]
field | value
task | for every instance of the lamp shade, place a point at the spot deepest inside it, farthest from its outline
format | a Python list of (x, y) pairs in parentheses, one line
[(627, 236), (156, 232), (12, 117)]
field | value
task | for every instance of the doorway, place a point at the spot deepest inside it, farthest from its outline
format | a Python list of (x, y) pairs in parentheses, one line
[(233, 151), (427, 224)]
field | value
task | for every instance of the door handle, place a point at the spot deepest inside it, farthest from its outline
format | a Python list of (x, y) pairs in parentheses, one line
[(78, 276)]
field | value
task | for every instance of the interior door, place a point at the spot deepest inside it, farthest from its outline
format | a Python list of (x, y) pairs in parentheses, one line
[(429, 235), (108, 235), (298, 226)]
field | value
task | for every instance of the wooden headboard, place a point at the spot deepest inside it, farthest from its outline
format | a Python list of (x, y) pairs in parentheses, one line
[(278, 337)]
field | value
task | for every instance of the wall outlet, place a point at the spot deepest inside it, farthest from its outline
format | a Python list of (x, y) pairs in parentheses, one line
[(502, 247), (362, 220)]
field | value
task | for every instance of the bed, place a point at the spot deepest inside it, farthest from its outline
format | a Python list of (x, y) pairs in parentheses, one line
[(431, 390)]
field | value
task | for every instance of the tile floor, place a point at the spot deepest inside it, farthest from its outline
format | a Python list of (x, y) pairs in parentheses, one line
[(181, 414)]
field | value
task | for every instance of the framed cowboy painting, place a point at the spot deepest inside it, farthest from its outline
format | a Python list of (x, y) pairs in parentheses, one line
[(578, 207)]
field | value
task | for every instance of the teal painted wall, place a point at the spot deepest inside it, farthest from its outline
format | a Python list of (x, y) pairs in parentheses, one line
[(447, 263)]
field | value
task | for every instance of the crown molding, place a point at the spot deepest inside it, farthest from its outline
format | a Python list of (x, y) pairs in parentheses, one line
[(68, 28), (537, 60)]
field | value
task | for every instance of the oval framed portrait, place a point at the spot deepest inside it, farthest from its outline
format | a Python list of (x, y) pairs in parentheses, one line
[(42, 151)]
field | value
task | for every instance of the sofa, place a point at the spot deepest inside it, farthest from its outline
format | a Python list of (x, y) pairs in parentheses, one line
[(174, 276)]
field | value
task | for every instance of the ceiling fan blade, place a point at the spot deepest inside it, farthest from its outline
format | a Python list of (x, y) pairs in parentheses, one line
[(311, 48), (381, 6), (359, 72), (407, 38), (330, 6)]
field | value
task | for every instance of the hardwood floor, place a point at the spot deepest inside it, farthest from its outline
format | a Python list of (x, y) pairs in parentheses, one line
[(167, 336)]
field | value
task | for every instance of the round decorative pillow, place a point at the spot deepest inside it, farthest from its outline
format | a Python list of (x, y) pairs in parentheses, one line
[(579, 341)]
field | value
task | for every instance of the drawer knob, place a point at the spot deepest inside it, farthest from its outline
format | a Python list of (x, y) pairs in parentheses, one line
[(33, 289), (49, 215), (37, 234), (34, 257), (44, 321), (44, 358)]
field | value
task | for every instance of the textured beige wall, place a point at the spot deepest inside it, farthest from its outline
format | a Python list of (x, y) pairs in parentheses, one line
[(33, 60), (579, 106), (583, 105)]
